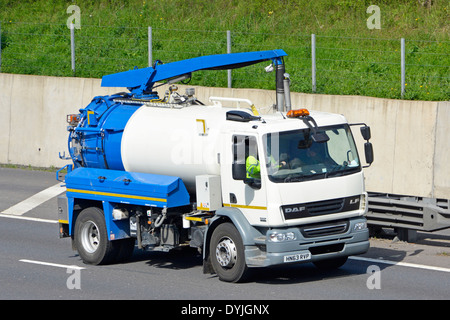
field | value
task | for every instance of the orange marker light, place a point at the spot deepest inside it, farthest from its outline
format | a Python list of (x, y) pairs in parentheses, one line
[(73, 119), (298, 113)]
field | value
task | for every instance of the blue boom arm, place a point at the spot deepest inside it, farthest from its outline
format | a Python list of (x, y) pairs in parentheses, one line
[(139, 81)]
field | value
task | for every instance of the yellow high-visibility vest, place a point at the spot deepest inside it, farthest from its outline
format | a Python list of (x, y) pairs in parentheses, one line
[(253, 168)]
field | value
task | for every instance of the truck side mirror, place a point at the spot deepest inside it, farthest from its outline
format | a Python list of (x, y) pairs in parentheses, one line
[(368, 150), (320, 137), (239, 171), (365, 132)]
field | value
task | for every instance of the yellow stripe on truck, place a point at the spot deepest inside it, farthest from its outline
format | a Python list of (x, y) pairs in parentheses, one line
[(117, 195), (244, 206)]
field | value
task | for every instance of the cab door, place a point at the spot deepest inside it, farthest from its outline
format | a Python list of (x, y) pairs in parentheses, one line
[(240, 189)]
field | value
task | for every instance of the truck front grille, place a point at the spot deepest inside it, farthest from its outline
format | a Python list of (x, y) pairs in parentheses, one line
[(324, 229), (325, 207), (318, 208)]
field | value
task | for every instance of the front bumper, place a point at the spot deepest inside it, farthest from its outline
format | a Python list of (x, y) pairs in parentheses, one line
[(309, 249)]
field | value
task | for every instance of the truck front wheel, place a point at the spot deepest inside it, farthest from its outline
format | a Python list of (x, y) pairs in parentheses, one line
[(227, 253), (91, 238)]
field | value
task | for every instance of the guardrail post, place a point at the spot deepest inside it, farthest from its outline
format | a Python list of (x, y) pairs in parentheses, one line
[(72, 46), (403, 66), (313, 62), (150, 46), (0, 47), (229, 51)]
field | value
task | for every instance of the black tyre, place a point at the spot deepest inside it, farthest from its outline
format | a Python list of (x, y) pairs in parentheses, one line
[(91, 238), (331, 264), (227, 254)]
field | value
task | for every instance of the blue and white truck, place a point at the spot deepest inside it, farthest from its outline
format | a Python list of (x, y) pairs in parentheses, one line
[(166, 172)]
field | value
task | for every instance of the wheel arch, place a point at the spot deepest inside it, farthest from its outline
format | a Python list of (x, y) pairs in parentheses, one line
[(235, 216), (79, 205)]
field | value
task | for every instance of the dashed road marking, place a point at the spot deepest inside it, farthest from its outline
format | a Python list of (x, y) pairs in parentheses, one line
[(43, 263), (28, 218), (402, 264)]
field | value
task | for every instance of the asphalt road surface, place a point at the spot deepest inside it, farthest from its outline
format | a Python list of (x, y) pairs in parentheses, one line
[(36, 264)]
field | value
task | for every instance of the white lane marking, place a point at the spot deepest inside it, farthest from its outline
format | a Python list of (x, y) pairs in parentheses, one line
[(35, 200), (403, 264), (27, 218), (52, 264)]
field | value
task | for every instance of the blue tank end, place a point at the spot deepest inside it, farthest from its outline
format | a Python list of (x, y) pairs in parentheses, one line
[(95, 140)]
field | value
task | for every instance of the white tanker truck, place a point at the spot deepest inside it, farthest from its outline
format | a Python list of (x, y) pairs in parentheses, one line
[(247, 190)]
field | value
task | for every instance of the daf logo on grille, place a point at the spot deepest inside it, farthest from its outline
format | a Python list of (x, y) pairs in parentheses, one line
[(294, 209)]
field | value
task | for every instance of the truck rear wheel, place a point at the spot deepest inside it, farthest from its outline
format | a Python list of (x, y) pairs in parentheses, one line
[(91, 238), (227, 254)]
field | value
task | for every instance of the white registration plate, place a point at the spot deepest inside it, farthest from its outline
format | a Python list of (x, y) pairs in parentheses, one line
[(297, 257)]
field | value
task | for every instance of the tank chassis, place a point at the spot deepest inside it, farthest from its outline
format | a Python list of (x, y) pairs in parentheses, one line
[(164, 173)]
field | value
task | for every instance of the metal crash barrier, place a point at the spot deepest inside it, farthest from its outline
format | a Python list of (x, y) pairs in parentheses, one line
[(407, 214)]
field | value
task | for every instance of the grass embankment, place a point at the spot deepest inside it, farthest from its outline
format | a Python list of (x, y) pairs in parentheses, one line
[(351, 58)]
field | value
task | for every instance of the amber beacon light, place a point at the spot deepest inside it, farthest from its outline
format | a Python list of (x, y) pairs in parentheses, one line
[(298, 113)]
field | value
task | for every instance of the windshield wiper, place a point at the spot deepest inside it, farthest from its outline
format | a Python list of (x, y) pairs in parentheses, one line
[(340, 170), (304, 177), (294, 179), (335, 170)]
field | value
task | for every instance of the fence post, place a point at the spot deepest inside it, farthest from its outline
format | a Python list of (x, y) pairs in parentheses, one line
[(150, 46), (229, 51), (313, 62), (0, 47), (72, 46), (403, 66)]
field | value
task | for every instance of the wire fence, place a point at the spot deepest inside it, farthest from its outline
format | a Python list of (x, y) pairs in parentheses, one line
[(390, 68)]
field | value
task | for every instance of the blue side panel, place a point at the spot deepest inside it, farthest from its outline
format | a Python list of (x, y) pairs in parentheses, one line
[(127, 187), (117, 229)]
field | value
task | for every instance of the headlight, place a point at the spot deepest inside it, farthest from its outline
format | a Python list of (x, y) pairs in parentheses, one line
[(281, 236), (363, 203), (360, 226)]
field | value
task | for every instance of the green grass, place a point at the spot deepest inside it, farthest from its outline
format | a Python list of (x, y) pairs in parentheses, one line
[(351, 59), (30, 167)]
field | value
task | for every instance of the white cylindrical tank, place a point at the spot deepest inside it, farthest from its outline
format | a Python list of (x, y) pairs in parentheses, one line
[(182, 142)]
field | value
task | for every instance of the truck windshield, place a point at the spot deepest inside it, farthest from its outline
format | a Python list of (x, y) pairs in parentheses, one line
[(293, 156)]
